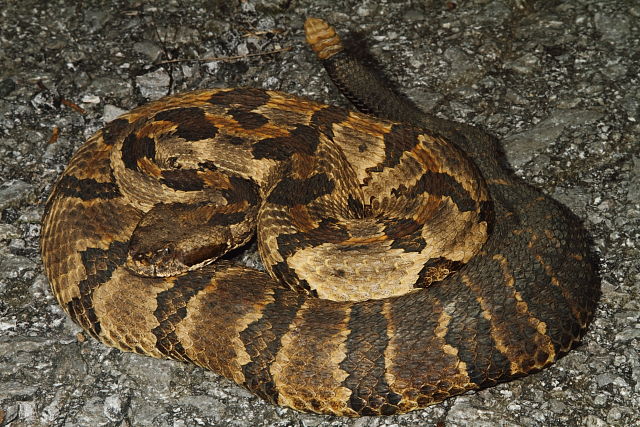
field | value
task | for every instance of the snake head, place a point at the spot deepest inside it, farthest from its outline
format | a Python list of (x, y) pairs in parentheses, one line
[(170, 259), (169, 241)]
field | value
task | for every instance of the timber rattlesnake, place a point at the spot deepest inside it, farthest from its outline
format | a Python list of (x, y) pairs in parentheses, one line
[(462, 276)]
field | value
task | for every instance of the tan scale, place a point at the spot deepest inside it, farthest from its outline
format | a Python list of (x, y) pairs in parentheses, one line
[(328, 351)]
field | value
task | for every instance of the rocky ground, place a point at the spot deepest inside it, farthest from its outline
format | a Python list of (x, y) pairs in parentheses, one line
[(556, 80)]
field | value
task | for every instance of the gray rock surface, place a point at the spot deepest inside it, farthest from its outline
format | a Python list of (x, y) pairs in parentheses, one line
[(557, 80)]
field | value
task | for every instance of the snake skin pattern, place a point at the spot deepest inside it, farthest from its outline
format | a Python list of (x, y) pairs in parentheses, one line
[(404, 263)]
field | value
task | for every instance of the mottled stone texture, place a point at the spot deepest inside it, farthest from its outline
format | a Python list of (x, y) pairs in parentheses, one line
[(557, 81)]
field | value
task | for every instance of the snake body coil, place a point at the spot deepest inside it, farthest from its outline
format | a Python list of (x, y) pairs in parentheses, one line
[(406, 265)]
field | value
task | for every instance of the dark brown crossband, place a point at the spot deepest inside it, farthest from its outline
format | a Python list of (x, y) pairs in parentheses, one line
[(262, 341), (248, 97), (172, 309), (303, 140), (365, 364), (192, 123), (87, 188), (135, 148)]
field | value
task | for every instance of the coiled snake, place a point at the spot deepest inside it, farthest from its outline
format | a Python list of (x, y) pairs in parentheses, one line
[(405, 263)]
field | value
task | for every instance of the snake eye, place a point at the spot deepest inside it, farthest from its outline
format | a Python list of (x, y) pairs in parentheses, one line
[(163, 254)]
